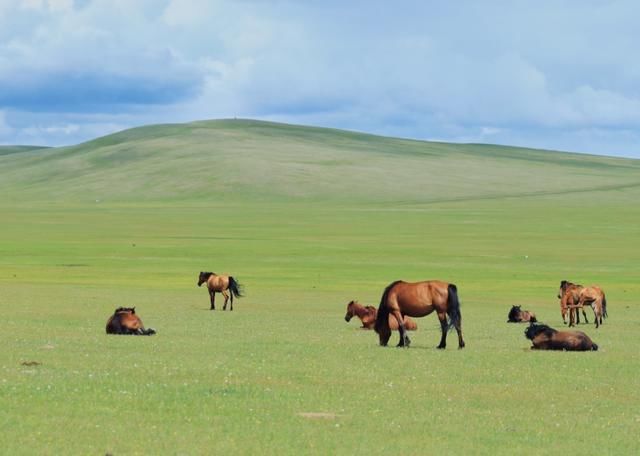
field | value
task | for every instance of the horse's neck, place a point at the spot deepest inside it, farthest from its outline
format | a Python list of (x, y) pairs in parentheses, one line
[(360, 311)]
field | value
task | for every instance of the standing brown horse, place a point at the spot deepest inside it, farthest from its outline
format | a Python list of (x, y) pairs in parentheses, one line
[(368, 317), (569, 295), (125, 321), (594, 296), (220, 283), (574, 298), (418, 300)]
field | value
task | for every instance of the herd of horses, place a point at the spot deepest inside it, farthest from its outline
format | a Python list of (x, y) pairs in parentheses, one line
[(402, 300)]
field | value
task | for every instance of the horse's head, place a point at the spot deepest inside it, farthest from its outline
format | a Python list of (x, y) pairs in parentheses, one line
[(203, 277), (350, 311), (514, 314), (563, 286)]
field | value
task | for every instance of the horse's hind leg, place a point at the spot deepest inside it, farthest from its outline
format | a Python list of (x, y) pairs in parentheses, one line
[(226, 299), (458, 326), (445, 327), (584, 314), (404, 338)]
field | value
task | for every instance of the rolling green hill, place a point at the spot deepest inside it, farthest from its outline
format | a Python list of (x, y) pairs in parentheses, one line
[(237, 159)]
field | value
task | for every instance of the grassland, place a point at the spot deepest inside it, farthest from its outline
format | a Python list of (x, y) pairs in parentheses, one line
[(308, 219)]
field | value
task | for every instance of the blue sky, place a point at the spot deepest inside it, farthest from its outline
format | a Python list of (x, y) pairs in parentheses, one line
[(557, 74)]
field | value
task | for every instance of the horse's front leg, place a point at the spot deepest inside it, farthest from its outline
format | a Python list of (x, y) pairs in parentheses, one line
[(212, 294), (226, 299), (442, 316), (404, 338)]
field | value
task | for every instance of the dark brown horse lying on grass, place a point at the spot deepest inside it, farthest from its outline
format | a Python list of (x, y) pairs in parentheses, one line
[(544, 337), (418, 300), (367, 314), (125, 321), (517, 315), (220, 284)]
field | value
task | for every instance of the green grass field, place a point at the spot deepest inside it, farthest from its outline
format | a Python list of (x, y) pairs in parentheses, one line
[(308, 219)]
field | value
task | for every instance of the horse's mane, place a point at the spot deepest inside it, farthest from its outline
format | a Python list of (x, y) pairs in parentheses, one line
[(207, 274), (125, 309), (536, 328), (382, 318)]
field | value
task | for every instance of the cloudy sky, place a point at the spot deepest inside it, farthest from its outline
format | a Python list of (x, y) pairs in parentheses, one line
[(552, 74)]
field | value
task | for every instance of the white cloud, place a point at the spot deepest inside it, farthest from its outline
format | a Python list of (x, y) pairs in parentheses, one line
[(484, 71)]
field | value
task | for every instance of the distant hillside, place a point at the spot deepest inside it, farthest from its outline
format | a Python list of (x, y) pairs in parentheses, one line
[(239, 159), (8, 150)]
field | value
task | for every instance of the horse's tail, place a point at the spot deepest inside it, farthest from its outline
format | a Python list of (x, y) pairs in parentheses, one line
[(453, 306), (382, 319), (235, 288), (604, 306)]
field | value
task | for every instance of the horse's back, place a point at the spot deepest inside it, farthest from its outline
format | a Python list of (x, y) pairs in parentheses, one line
[(418, 299), (218, 282)]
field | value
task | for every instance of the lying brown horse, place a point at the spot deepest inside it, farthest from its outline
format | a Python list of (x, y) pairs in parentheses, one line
[(569, 295), (125, 321), (224, 284), (367, 314), (517, 315), (594, 296), (545, 338), (418, 300)]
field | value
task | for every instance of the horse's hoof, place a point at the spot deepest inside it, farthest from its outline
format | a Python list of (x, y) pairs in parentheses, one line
[(441, 347)]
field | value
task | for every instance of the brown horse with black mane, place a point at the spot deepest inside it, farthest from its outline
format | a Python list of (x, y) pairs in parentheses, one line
[(125, 321), (220, 283), (367, 314), (517, 315), (418, 300), (544, 337)]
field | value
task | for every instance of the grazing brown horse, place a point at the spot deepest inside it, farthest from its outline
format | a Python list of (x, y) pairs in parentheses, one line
[(224, 284), (418, 300), (368, 317), (517, 315), (594, 296), (125, 321), (544, 337)]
